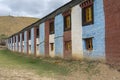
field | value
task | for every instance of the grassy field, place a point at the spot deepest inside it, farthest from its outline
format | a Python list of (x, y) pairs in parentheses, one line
[(16, 60), (17, 66)]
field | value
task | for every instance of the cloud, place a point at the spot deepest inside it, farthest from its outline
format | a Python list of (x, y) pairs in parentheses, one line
[(31, 8), (4, 10)]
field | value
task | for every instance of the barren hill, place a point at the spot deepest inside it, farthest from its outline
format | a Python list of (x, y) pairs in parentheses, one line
[(10, 25)]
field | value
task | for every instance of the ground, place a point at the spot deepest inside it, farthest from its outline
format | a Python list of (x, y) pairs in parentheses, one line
[(17, 66)]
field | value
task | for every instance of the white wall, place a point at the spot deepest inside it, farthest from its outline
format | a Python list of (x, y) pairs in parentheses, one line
[(37, 47), (29, 48), (77, 50), (51, 40)]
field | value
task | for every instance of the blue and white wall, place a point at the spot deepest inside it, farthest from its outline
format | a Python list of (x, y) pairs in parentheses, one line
[(59, 31), (51, 40), (79, 34), (32, 40), (37, 46), (97, 31), (16, 42), (42, 39), (25, 42), (20, 48)]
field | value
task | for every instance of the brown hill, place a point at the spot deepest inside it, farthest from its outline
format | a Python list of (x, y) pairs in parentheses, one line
[(10, 25)]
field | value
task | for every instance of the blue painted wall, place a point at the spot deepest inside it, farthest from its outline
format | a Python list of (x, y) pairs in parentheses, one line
[(25, 42), (32, 40), (97, 31), (42, 38), (20, 42), (59, 31), (16, 42), (11, 44)]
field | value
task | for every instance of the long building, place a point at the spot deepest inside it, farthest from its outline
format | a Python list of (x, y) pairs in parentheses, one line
[(79, 29)]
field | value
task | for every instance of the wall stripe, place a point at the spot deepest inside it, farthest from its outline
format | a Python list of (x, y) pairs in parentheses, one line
[(47, 38), (59, 35), (32, 41), (42, 39), (77, 50)]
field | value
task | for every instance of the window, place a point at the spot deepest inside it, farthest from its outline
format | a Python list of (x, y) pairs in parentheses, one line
[(29, 47), (68, 45), (87, 15), (52, 27), (67, 22), (15, 39), (18, 38), (29, 36), (23, 36), (37, 34), (89, 44), (52, 46), (37, 47)]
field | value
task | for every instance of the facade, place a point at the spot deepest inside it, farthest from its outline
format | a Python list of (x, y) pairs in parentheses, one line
[(77, 30), (112, 29)]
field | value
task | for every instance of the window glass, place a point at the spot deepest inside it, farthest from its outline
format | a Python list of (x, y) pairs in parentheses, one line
[(52, 46), (37, 32), (67, 22), (87, 15), (89, 44), (68, 45), (52, 27)]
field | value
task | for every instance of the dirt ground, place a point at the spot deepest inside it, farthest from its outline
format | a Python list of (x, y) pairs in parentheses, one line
[(100, 72), (15, 74)]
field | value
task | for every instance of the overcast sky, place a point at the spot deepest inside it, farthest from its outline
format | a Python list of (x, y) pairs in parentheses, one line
[(29, 8)]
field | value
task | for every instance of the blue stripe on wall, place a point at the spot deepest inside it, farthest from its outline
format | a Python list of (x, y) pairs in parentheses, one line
[(42, 38), (59, 31), (11, 44), (97, 31), (20, 42), (25, 41), (16, 42), (32, 40)]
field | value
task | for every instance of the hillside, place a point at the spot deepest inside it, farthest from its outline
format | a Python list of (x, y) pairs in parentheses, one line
[(10, 25)]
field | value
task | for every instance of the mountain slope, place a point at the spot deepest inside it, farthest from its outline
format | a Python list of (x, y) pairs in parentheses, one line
[(10, 25)]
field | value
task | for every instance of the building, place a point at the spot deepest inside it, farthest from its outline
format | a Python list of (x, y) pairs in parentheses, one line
[(78, 29)]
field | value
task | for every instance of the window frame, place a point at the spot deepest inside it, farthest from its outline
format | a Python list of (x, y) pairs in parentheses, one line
[(51, 46), (84, 22), (29, 35), (18, 38), (23, 37), (37, 33), (66, 45), (65, 23), (15, 40), (87, 44), (52, 26)]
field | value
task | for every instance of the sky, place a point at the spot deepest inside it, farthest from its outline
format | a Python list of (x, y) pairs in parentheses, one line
[(29, 8)]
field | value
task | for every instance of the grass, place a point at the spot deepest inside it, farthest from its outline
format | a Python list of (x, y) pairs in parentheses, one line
[(10, 24), (39, 65), (48, 66), (3, 36)]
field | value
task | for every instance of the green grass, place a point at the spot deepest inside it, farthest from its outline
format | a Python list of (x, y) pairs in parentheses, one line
[(3, 36), (39, 65)]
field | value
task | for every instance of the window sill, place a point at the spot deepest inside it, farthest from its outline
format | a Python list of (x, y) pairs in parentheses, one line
[(67, 29), (87, 24), (51, 33)]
